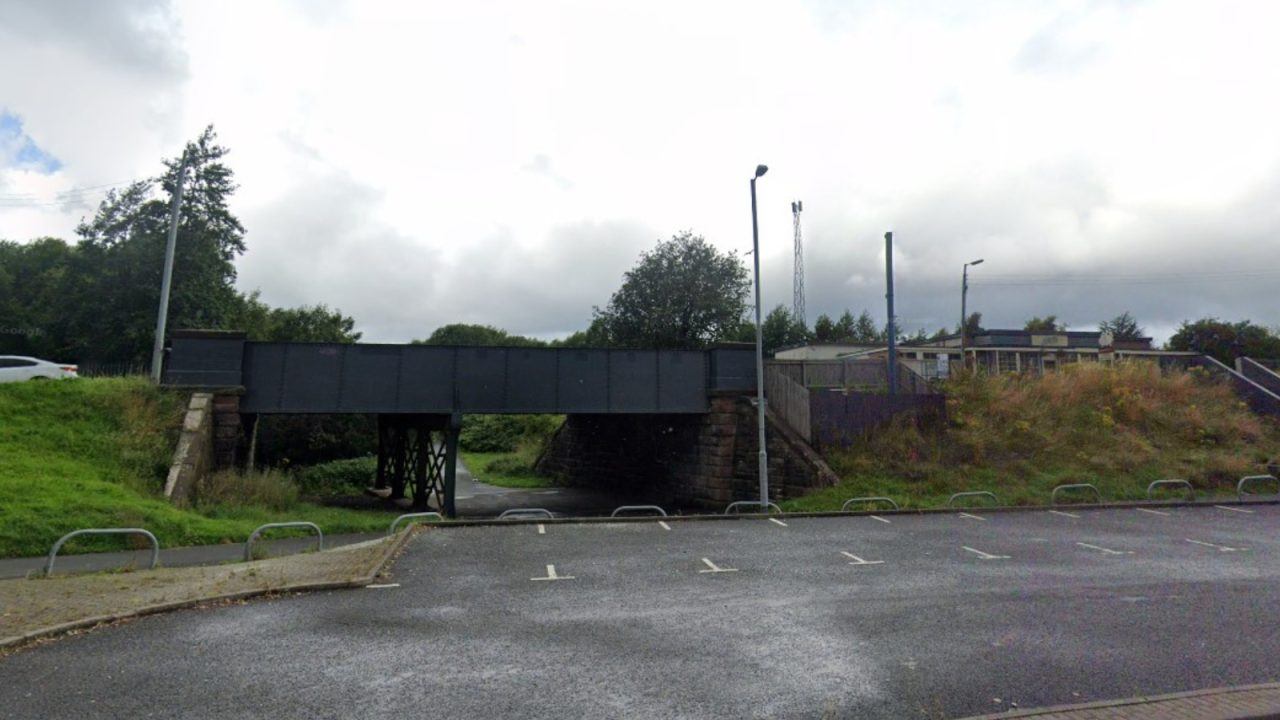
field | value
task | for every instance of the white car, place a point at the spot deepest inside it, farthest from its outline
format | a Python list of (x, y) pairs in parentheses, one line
[(16, 368)]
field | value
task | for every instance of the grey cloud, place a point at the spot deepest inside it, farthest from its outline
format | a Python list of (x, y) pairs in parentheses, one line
[(137, 33), (317, 244), (541, 165)]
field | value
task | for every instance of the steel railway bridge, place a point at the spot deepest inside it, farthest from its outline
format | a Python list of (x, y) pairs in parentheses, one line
[(420, 392)]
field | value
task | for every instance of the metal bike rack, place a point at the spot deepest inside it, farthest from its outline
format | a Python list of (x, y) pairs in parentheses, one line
[(754, 503), (525, 512), (1053, 496), (248, 544), (973, 493), (155, 544), (638, 508), (876, 498), (1240, 493), (409, 516), (1191, 492)]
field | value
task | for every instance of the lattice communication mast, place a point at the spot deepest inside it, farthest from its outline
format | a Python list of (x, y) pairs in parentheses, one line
[(797, 302)]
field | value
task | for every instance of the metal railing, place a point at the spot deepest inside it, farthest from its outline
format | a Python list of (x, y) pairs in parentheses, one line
[(1240, 493), (248, 544), (1053, 496), (514, 513), (411, 516), (1191, 491), (53, 551), (752, 503), (871, 499), (973, 493), (637, 508)]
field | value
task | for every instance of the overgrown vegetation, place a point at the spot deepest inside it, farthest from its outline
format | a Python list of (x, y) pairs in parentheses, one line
[(94, 453), (1118, 427), (502, 449)]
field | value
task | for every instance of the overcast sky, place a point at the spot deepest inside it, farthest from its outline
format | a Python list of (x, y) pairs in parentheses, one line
[(417, 163)]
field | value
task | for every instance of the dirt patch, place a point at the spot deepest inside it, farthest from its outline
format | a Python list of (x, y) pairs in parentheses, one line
[(31, 608)]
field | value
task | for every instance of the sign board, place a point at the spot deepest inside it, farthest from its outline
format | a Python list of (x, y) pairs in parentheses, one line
[(944, 365), (1049, 340)]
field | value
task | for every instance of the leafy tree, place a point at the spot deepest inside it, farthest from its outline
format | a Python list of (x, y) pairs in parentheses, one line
[(865, 331), (844, 329), (1122, 327), (484, 335), (939, 334), (682, 294), (972, 324), (1226, 341), (780, 329), (595, 335), (1047, 324), (824, 330), (123, 246)]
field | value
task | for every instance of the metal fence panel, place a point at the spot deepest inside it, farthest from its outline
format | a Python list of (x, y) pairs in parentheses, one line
[(584, 380), (682, 380), (426, 378), (532, 379)]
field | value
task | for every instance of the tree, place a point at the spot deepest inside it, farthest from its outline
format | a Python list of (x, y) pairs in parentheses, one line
[(780, 330), (309, 323), (121, 253), (1225, 341), (972, 324), (1047, 324), (484, 335), (844, 329), (865, 331), (824, 330), (594, 336), (1122, 327), (682, 294)]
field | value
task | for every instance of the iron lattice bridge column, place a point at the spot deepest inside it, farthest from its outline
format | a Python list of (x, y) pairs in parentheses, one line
[(418, 458)]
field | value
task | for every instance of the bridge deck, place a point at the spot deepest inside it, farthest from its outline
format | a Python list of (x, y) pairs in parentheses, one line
[(422, 379)]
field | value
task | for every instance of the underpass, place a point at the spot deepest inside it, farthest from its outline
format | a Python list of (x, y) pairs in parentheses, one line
[(892, 615)]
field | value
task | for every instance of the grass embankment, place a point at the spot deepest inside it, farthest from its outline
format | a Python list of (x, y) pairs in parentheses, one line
[(507, 469), (94, 453), (1118, 427)]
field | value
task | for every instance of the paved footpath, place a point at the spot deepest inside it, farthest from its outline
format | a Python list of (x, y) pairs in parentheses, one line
[(904, 616), (1250, 701)]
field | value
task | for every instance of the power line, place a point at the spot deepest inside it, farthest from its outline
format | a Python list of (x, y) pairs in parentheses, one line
[(69, 193), (1130, 279)]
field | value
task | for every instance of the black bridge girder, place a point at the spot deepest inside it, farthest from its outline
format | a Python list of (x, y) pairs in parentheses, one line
[(418, 459)]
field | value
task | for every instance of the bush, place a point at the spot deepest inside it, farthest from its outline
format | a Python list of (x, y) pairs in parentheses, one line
[(271, 489), (340, 477), (298, 440), (505, 433)]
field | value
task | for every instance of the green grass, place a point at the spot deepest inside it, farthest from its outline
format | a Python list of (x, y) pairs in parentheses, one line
[(1118, 428), (507, 469), (94, 452)]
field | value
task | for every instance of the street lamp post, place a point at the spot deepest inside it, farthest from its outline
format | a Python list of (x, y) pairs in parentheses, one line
[(755, 255), (964, 312)]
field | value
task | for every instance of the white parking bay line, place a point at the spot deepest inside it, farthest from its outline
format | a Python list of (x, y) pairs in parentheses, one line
[(664, 525), (1233, 509), (713, 569), (779, 522), (551, 575), (382, 586), (1153, 512), (985, 556), (1106, 551), (972, 517), (877, 517), (1219, 548), (1064, 514), (542, 529), (859, 561)]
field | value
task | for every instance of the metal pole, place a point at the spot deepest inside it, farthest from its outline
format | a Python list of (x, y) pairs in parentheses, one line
[(891, 329), (162, 317), (763, 457), (964, 313)]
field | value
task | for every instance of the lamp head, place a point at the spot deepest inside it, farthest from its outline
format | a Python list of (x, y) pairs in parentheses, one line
[(761, 170), (975, 262)]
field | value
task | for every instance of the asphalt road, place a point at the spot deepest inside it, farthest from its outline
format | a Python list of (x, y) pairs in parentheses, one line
[(949, 615)]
